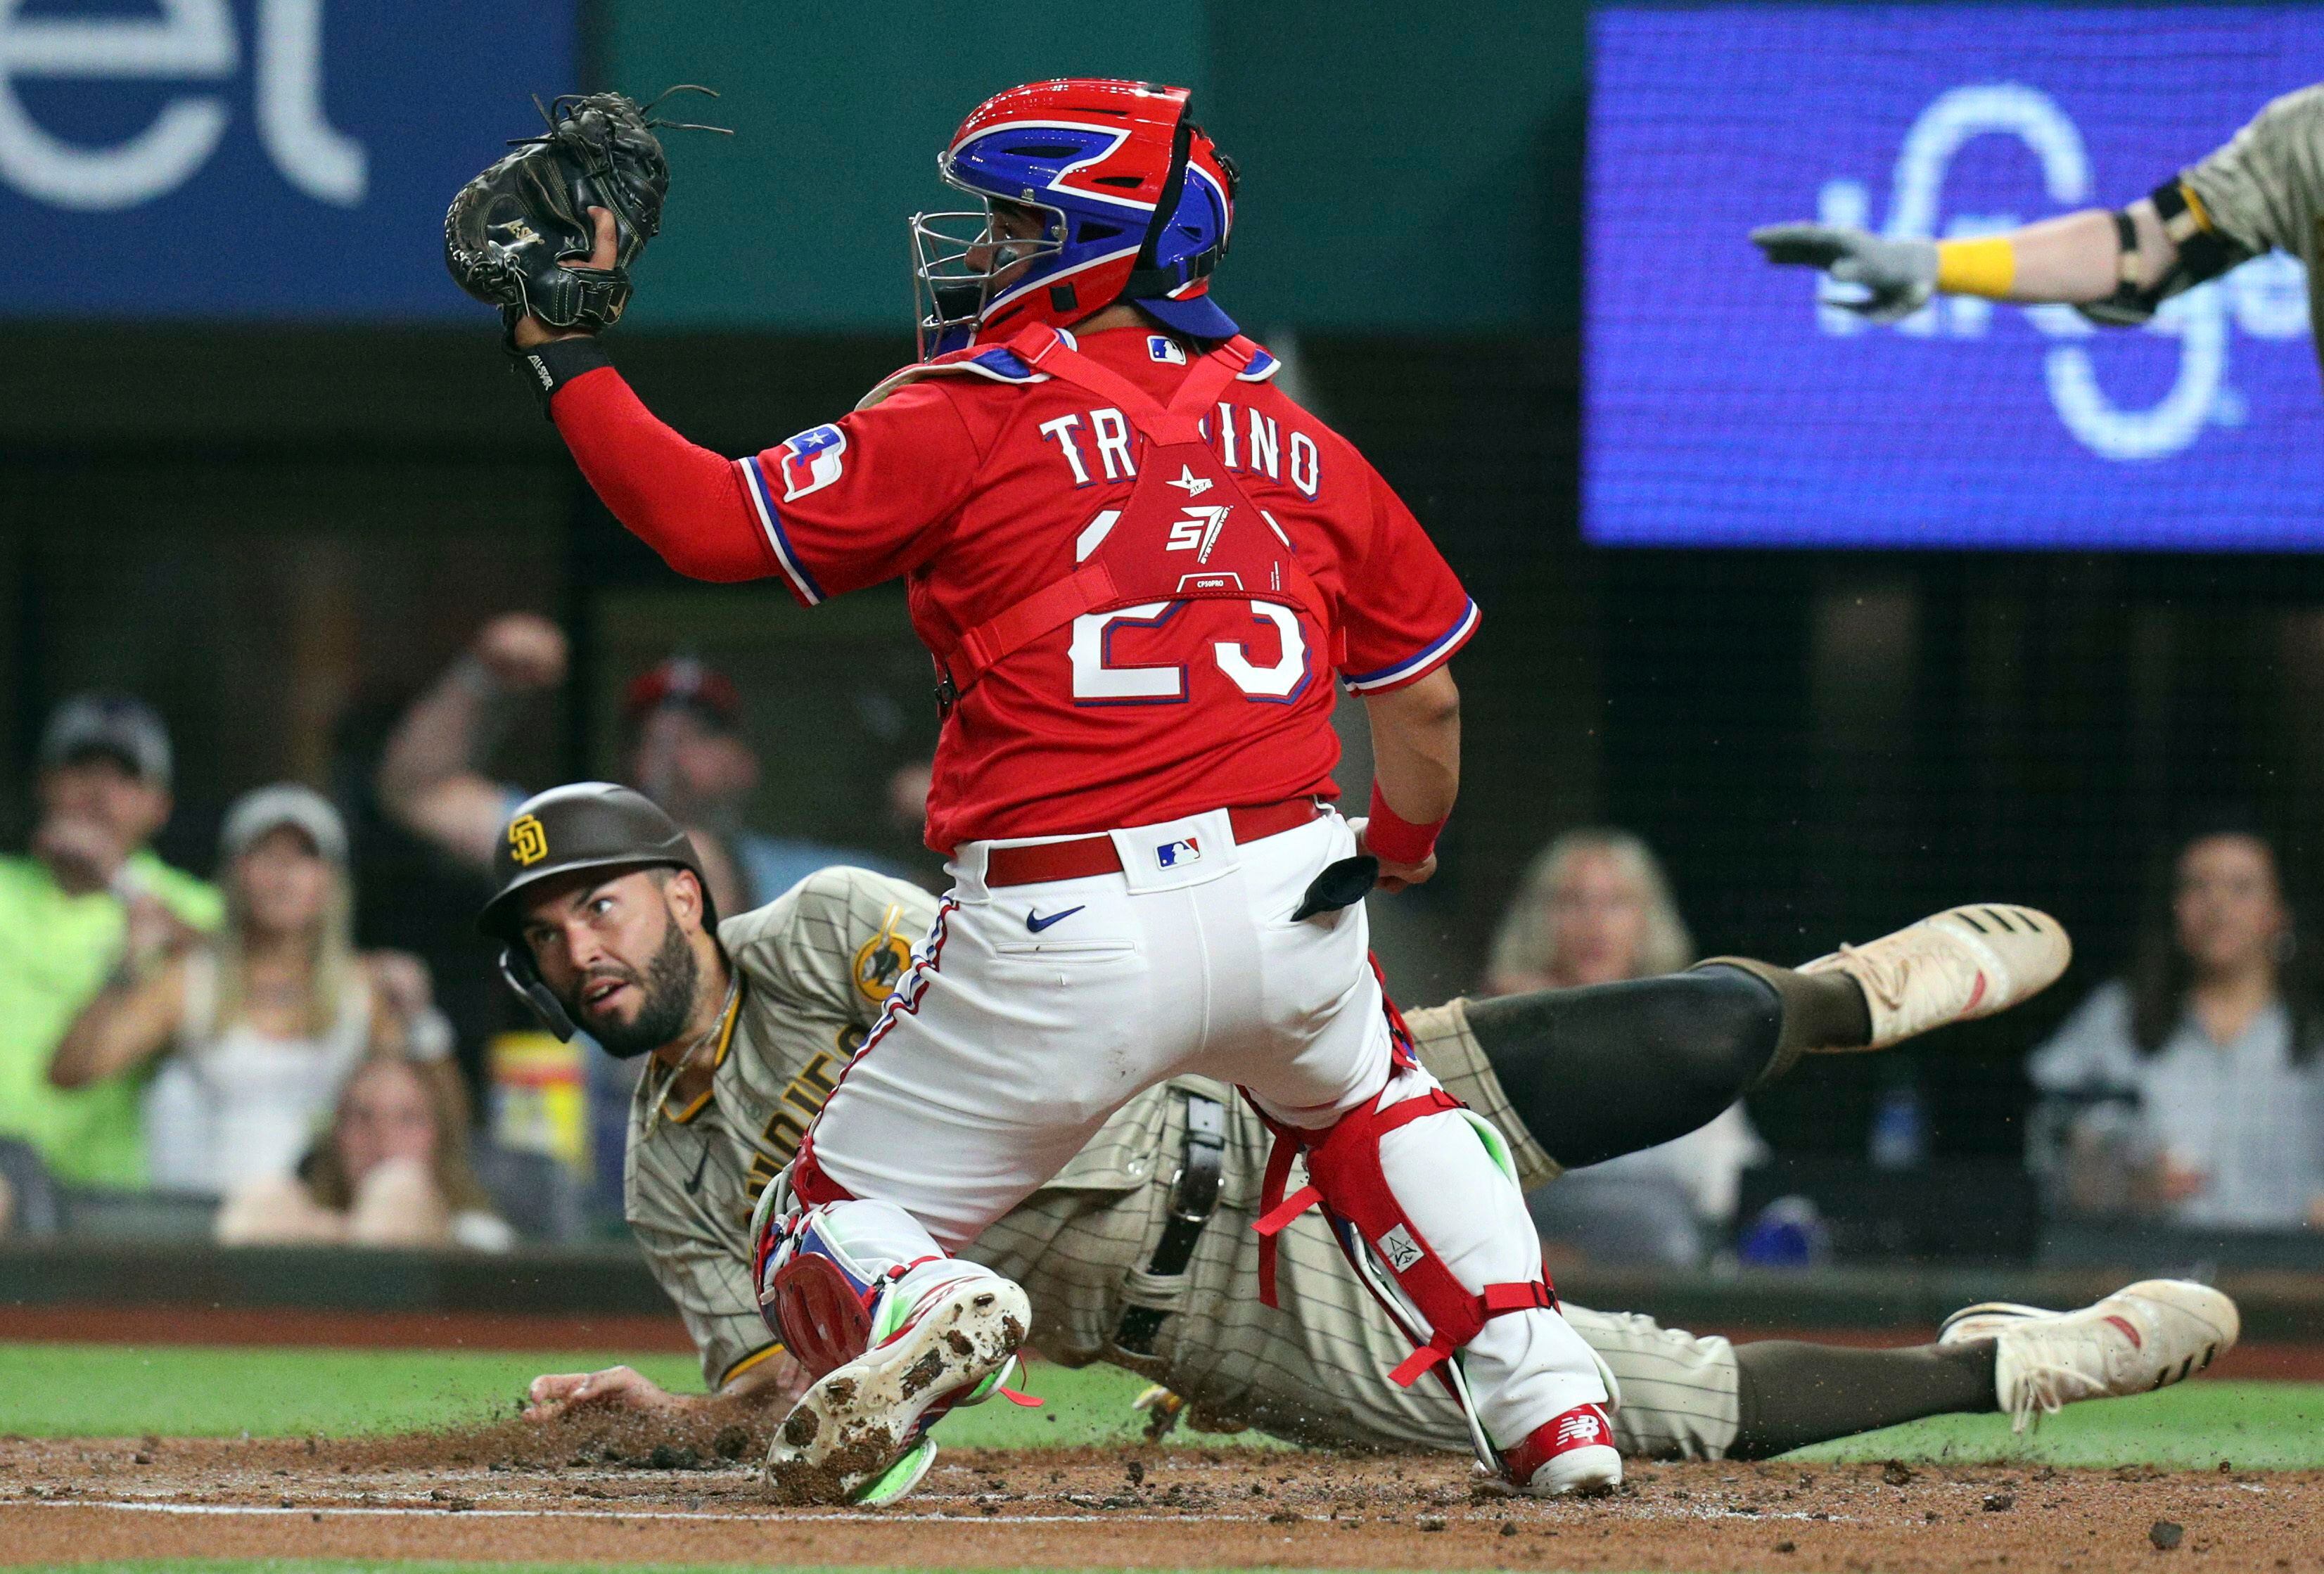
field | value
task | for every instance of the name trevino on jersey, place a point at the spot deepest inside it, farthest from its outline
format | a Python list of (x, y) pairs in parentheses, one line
[(1095, 447)]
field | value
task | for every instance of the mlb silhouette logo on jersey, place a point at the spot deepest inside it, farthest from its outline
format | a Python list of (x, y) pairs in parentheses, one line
[(1172, 855), (811, 461)]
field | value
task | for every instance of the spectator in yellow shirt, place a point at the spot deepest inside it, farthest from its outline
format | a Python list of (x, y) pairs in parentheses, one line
[(89, 901)]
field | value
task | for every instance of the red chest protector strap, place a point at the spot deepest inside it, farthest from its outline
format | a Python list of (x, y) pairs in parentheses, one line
[(1042, 349), (1093, 587)]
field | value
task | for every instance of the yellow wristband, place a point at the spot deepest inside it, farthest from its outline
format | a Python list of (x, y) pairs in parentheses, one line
[(1987, 267)]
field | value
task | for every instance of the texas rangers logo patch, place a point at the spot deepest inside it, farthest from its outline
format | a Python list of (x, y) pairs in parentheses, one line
[(811, 461), (1172, 854)]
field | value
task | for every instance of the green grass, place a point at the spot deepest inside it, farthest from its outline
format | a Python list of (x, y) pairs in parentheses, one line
[(2263, 1426), (67, 1390), (72, 1389)]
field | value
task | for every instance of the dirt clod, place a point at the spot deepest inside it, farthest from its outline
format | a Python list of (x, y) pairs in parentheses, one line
[(1999, 1502), (2166, 1535), (923, 1372), (1895, 1472)]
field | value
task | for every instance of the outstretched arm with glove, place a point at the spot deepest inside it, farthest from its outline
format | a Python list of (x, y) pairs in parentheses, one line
[(547, 235), (2076, 259), (2263, 190)]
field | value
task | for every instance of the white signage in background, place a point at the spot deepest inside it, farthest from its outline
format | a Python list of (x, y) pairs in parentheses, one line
[(192, 40), (2266, 298)]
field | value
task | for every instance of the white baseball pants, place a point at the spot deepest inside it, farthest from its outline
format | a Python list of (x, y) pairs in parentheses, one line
[(1035, 1011)]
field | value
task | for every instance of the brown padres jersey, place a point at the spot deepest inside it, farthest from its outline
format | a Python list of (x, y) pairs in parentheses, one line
[(817, 964), (2264, 190)]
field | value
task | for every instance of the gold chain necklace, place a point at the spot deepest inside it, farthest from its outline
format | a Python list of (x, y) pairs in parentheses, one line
[(677, 1068)]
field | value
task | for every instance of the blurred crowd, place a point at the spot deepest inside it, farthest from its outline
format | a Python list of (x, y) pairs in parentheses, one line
[(2189, 1093), (230, 1051), (224, 1057)]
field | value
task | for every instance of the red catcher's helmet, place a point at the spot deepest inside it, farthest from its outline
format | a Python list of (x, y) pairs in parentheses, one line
[(1136, 201)]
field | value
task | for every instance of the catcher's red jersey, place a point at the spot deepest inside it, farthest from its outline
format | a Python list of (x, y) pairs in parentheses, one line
[(980, 480)]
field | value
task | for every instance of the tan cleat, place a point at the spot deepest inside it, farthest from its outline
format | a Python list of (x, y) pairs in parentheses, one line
[(2144, 1336), (1964, 963)]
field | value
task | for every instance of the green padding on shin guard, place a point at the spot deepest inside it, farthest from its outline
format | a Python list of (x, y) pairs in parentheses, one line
[(1495, 1143)]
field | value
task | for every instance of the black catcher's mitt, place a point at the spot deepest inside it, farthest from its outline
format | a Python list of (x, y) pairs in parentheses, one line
[(510, 231)]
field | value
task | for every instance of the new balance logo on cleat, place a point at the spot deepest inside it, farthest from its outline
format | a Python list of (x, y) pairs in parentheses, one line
[(1571, 1452), (1580, 1427)]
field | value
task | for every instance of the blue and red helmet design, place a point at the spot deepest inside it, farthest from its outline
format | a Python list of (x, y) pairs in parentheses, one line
[(1136, 205)]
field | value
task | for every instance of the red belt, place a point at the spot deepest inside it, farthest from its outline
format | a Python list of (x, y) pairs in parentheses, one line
[(1084, 856)]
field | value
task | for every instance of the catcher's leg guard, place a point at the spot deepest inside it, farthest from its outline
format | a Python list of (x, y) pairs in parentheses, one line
[(825, 1273), (1421, 1194), (895, 1333)]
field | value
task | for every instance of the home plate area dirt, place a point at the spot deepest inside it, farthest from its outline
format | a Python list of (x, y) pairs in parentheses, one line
[(595, 1496)]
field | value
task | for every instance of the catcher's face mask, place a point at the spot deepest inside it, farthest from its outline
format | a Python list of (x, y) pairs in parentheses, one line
[(962, 261)]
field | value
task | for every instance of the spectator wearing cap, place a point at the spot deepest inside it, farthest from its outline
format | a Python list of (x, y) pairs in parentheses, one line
[(683, 726), (432, 779), (262, 1023), (683, 748), (90, 902)]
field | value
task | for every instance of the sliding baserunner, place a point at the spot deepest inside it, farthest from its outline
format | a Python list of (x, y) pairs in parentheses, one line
[(1141, 1253)]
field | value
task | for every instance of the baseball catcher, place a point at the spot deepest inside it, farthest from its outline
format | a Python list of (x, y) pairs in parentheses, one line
[(1141, 1253), (1138, 565)]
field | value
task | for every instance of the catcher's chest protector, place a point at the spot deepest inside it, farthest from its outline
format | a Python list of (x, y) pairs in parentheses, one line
[(1186, 532)]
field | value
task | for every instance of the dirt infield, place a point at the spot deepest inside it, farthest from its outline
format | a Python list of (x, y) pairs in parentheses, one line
[(510, 1494)]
